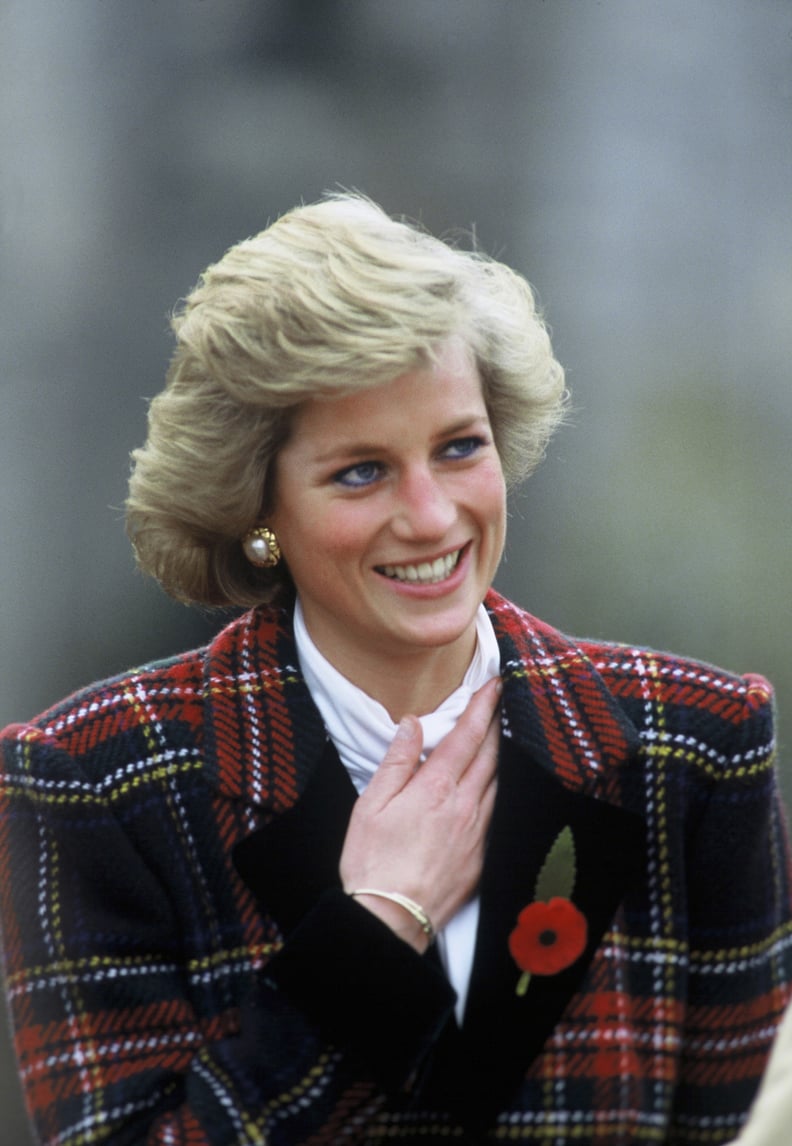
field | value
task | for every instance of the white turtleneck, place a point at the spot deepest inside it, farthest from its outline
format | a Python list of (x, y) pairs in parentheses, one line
[(362, 730)]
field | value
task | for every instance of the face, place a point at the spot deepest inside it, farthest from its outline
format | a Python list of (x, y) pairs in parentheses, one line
[(390, 513)]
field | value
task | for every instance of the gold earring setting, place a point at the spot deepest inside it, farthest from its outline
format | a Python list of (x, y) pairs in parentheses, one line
[(260, 546)]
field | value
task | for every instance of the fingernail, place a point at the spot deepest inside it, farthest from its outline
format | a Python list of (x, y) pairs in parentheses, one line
[(405, 728)]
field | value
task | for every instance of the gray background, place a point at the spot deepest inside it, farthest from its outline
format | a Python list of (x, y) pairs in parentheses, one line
[(632, 157)]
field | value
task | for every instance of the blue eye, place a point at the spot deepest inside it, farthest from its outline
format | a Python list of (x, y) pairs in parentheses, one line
[(463, 447), (356, 477)]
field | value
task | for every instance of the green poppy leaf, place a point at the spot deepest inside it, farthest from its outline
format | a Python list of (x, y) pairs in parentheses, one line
[(557, 876)]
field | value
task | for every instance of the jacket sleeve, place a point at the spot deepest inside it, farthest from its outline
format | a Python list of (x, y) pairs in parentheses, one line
[(739, 957), (127, 1029)]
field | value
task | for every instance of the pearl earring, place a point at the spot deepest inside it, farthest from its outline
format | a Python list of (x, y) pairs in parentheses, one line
[(260, 546)]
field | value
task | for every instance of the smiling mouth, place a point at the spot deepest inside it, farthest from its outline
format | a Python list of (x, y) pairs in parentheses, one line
[(425, 572)]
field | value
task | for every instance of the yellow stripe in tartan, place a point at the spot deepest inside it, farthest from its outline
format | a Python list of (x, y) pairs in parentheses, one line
[(299, 1089), (747, 951), (94, 963), (232, 688), (567, 1130), (138, 708), (254, 1134), (520, 671), (649, 944), (146, 776), (218, 958), (80, 966), (715, 772), (430, 1129), (154, 775)]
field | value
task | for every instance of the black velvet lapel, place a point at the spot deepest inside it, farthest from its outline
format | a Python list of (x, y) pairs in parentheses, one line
[(289, 863)]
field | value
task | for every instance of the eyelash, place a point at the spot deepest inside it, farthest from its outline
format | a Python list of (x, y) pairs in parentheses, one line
[(343, 477), (471, 444)]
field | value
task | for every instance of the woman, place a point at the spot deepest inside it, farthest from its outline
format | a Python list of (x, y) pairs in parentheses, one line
[(390, 859)]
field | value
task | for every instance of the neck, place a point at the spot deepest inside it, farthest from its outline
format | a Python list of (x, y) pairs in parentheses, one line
[(417, 688), (416, 682)]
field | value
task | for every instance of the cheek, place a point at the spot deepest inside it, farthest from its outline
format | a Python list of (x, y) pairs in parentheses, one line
[(492, 495), (325, 536), (492, 515)]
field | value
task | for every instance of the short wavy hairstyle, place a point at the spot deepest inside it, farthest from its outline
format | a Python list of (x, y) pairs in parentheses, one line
[(332, 298)]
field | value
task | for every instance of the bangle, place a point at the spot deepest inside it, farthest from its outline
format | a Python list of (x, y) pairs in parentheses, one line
[(415, 909)]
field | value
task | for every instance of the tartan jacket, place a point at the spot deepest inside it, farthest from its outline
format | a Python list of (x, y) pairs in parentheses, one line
[(183, 969)]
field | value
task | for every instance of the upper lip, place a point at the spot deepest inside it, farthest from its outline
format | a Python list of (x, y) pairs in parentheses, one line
[(421, 560)]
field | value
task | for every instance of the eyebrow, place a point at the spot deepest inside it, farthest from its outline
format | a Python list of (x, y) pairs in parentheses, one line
[(366, 449)]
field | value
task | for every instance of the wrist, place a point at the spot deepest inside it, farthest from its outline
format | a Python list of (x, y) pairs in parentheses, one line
[(406, 918)]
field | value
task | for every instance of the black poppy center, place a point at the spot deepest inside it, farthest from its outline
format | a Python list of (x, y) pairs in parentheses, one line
[(548, 937)]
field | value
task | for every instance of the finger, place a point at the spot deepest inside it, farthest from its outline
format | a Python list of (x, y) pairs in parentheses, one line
[(482, 789), (398, 763), (456, 751), (485, 802), (484, 765)]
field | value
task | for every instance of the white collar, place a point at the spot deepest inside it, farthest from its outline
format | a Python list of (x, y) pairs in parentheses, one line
[(360, 726)]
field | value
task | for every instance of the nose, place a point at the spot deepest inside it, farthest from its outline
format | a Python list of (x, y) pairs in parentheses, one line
[(425, 510)]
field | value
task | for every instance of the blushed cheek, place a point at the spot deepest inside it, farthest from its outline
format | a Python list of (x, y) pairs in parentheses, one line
[(337, 552), (496, 495)]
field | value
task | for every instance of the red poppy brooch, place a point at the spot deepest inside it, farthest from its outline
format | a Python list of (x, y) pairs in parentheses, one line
[(551, 933)]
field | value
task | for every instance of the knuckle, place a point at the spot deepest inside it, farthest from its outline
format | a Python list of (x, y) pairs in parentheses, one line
[(441, 786)]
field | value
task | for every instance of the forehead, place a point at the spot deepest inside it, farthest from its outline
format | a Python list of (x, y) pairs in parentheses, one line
[(429, 398)]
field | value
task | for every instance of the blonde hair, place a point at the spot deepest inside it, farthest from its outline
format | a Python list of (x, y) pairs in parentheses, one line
[(333, 297)]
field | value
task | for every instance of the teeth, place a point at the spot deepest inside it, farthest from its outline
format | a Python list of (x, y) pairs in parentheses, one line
[(427, 573)]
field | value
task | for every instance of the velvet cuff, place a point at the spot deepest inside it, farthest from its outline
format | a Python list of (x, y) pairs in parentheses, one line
[(367, 990)]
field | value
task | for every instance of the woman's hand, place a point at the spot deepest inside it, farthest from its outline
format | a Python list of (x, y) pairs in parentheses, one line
[(420, 829)]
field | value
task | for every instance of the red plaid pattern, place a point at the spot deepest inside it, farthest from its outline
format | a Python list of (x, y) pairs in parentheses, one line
[(136, 959)]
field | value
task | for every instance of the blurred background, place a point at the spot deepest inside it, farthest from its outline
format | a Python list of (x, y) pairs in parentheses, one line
[(632, 158)]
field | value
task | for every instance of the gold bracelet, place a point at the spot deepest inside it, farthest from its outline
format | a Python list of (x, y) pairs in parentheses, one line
[(415, 909)]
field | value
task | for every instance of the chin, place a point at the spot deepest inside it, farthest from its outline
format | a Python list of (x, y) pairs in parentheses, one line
[(439, 635)]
